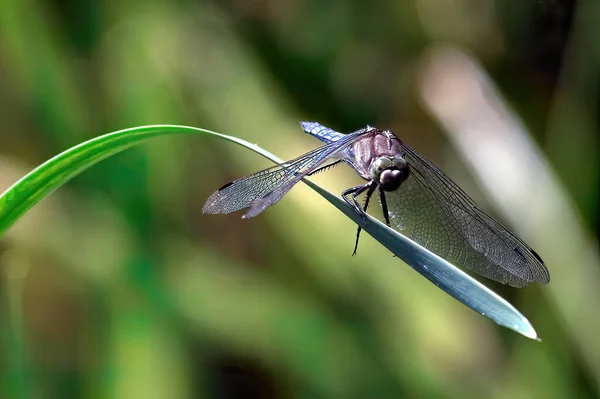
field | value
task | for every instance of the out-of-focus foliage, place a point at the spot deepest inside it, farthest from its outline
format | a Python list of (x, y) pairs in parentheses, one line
[(118, 286)]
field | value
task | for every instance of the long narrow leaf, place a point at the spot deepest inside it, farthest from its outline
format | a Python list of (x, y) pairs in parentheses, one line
[(52, 174)]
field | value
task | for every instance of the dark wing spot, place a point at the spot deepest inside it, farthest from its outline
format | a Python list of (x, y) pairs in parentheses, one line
[(517, 250), (537, 257), (225, 186)]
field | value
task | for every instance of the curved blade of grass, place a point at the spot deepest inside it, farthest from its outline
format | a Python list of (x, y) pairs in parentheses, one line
[(52, 174)]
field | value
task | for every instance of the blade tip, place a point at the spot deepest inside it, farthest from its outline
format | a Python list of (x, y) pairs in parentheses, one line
[(526, 329)]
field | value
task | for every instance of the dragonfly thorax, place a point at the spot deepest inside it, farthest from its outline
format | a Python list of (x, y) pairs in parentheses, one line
[(388, 172)]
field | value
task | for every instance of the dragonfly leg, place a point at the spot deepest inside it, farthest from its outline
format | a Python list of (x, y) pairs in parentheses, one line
[(354, 192), (322, 168), (384, 208), (369, 194)]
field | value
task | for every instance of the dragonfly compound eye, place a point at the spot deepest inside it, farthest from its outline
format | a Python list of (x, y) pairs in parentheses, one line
[(400, 162), (379, 166), (391, 179)]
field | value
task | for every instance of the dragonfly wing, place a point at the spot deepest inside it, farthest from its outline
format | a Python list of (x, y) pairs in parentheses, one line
[(433, 211), (265, 188)]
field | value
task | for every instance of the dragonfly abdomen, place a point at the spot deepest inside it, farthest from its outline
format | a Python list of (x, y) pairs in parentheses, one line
[(321, 132)]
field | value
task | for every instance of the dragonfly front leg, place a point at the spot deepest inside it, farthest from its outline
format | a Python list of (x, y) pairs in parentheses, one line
[(350, 195), (369, 194)]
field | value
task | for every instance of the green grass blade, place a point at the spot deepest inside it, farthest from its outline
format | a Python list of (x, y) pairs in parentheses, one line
[(49, 176), (52, 174)]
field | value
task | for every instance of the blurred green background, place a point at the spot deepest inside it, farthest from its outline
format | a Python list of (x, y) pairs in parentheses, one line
[(118, 287)]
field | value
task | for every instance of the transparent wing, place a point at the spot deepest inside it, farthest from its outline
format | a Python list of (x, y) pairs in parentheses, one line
[(267, 187), (433, 211)]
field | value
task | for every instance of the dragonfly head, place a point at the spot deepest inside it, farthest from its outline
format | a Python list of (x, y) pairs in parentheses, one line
[(389, 172)]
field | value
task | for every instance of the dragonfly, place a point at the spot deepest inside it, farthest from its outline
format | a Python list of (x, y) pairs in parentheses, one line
[(417, 199)]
